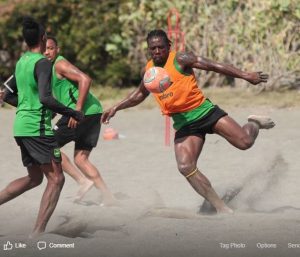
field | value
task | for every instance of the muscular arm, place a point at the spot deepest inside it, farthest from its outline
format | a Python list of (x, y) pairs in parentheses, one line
[(67, 70), (133, 99), (190, 60), (43, 73)]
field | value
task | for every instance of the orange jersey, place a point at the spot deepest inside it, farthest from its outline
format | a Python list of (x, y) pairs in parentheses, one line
[(183, 95)]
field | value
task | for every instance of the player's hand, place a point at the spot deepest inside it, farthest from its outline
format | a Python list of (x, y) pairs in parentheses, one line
[(72, 123), (106, 115), (77, 115), (257, 77), (75, 119)]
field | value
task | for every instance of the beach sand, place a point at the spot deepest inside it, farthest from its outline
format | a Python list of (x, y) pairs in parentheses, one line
[(158, 212)]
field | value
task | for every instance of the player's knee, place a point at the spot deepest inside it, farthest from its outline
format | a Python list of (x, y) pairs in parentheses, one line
[(185, 168), (245, 143), (92, 175), (36, 180), (57, 180), (77, 162), (80, 161)]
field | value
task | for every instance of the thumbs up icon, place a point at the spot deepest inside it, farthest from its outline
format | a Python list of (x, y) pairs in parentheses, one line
[(8, 246)]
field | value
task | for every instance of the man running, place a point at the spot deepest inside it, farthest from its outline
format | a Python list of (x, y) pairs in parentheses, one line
[(71, 87), (31, 86), (194, 115)]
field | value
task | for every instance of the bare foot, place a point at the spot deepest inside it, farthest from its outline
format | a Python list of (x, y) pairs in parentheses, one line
[(230, 194), (264, 122), (84, 188), (109, 201), (225, 210)]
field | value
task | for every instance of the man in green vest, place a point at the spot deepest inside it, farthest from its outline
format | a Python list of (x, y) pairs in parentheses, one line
[(30, 91), (71, 87)]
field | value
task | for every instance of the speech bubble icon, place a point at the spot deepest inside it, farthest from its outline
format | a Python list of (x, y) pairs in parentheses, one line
[(41, 245)]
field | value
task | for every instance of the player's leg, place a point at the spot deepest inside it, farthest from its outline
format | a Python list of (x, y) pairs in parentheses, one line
[(55, 177), (241, 137), (187, 151), (33, 179), (84, 183), (45, 151), (21, 185), (81, 159), (64, 135), (87, 135)]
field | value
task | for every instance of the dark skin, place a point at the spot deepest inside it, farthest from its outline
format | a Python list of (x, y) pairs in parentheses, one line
[(188, 149), (159, 51), (65, 69), (52, 171)]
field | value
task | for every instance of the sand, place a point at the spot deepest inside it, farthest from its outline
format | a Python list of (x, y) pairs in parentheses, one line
[(158, 213)]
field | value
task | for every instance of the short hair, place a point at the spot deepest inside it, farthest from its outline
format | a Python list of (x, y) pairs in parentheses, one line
[(159, 33), (32, 31), (53, 39)]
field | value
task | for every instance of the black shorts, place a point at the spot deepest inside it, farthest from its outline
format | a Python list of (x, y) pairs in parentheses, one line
[(202, 126), (38, 150), (85, 135)]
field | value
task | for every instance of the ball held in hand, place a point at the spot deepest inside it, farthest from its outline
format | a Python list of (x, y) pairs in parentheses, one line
[(156, 80)]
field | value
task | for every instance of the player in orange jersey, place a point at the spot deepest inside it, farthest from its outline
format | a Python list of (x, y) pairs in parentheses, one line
[(193, 114)]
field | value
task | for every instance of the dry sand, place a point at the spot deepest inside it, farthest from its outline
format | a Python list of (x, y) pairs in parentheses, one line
[(158, 213)]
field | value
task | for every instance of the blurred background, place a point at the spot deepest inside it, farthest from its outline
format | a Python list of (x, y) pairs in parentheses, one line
[(107, 38)]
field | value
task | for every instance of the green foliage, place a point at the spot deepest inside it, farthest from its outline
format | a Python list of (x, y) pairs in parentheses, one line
[(252, 35), (106, 39)]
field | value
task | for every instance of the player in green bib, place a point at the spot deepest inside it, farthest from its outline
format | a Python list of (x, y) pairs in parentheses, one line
[(71, 87), (31, 94)]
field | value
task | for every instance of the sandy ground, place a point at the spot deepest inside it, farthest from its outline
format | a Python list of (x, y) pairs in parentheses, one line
[(158, 216)]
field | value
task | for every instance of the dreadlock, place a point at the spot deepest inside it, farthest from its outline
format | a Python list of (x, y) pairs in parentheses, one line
[(159, 33)]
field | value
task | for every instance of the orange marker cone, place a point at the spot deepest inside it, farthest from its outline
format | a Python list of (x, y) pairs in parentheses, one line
[(110, 134)]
